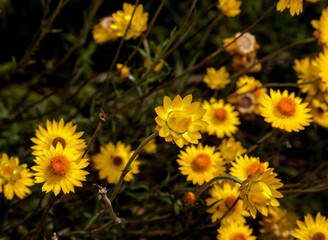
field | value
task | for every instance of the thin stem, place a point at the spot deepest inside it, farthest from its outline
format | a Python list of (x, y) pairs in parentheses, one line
[(44, 217), (209, 183), (229, 209), (127, 166), (103, 196), (266, 136)]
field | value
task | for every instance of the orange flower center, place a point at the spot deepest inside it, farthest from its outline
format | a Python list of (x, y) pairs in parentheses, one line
[(117, 161), (240, 236), (202, 161), (7, 171), (221, 114), (178, 121), (58, 140), (319, 236), (253, 168), (59, 165), (230, 201), (286, 106)]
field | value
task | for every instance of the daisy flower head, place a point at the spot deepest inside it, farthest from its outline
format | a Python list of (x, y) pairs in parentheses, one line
[(221, 199), (285, 111), (312, 229), (230, 8), (321, 28), (14, 178), (122, 18), (294, 6), (244, 45), (124, 70), (217, 79), (222, 118), (57, 133), (60, 169), (235, 231), (189, 198), (260, 191), (200, 164), (320, 113), (180, 121), (244, 166), (279, 224), (230, 148), (323, 69), (111, 161), (102, 32)]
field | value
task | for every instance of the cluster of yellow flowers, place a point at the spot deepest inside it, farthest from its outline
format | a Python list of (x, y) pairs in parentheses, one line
[(129, 23)]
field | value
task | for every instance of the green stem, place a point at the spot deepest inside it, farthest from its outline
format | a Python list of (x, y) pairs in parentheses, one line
[(209, 183), (266, 136), (127, 166)]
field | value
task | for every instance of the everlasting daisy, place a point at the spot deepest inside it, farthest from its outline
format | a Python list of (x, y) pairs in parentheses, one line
[(60, 169), (180, 121), (259, 191), (245, 166), (102, 32), (217, 79), (230, 8), (150, 147), (230, 148), (124, 70), (279, 224), (200, 164), (321, 26), (222, 199), (122, 18), (244, 45), (222, 119), (57, 133), (320, 113), (285, 111), (323, 69), (111, 161), (189, 198), (295, 6), (312, 229), (235, 231), (14, 178)]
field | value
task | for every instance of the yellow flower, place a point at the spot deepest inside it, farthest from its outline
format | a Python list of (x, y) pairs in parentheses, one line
[(245, 166), (285, 111), (295, 6), (122, 18), (216, 79), (312, 229), (249, 91), (279, 224), (14, 178), (244, 45), (102, 32), (323, 69), (200, 164), (157, 68), (259, 191), (180, 120), (124, 70), (307, 71), (57, 133), (111, 161), (244, 62), (230, 148), (235, 231), (150, 147), (321, 26), (221, 117), (60, 169), (320, 113), (189, 198), (230, 8), (221, 199)]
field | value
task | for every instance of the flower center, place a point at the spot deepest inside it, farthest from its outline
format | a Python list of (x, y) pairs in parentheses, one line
[(202, 161), (246, 43), (106, 22), (221, 114), (286, 106), (179, 122), (59, 140), (319, 236), (7, 171), (253, 168), (59, 165), (230, 201), (117, 161), (240, 236)]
